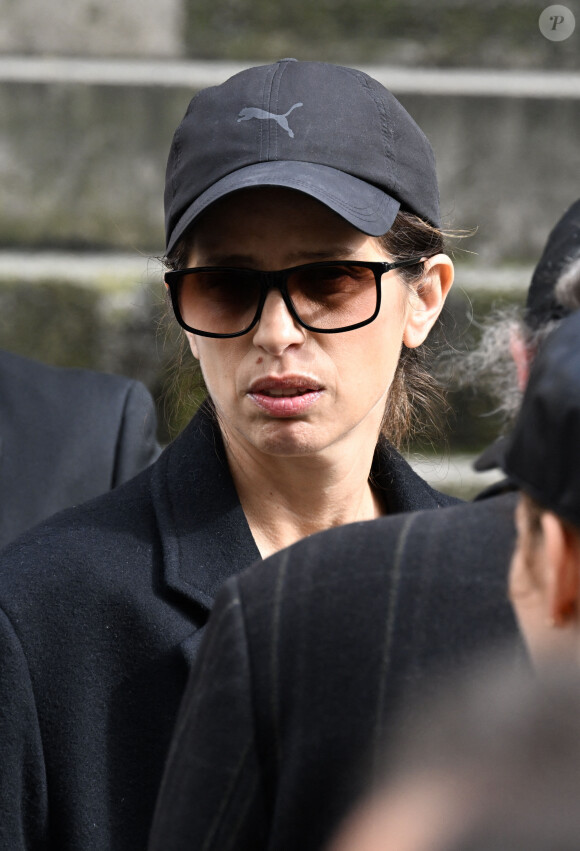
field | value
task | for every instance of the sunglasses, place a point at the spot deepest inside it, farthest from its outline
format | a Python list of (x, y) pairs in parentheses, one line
[(217, 301)]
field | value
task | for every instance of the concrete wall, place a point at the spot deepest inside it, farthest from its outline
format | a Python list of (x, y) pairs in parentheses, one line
[(152, 28), (449, 33), (83, 166), (446, 33)]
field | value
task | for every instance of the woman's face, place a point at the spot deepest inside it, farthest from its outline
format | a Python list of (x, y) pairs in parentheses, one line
[(281, 389)]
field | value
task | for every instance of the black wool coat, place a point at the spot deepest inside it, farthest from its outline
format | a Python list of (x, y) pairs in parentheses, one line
[(66, 435), (306, 659), (101, 613)]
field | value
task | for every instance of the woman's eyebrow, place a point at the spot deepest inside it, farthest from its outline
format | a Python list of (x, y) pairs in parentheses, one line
[(331, 253), (295, 258), (220, 259), (313, 255)]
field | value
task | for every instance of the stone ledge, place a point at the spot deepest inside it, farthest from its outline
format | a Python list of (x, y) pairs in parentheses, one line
[(92, 269), (454, 474), (465, 82), (83, 269)]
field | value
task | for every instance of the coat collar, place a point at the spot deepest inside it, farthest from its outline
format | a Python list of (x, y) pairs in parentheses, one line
[(403, 489), (204, 533)]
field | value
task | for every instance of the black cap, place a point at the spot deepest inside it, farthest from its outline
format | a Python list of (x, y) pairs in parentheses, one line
[(543, 450), (492, 456), (562, 247), (331, 132)]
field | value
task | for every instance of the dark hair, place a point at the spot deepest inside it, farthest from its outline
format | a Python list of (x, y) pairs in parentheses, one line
[(416, 401)]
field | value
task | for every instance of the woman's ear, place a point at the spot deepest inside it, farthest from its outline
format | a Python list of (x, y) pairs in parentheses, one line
[(192, 344), (562, 569), (428, 300)]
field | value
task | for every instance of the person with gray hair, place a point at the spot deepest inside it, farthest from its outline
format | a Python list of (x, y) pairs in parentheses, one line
[(497, 765), (511, 336)]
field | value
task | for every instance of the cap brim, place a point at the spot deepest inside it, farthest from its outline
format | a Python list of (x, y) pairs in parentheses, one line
[(493, 456), (363, 205)]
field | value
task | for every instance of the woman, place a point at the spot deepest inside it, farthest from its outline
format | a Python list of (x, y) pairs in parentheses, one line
[(302, 230), (299, 439)]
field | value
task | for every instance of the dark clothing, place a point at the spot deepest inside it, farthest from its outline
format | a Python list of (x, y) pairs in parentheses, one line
[(66, 435), (492, 458), (101, 610), (307, 656)]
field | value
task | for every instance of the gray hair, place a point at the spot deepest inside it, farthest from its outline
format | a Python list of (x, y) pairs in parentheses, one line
[(490, 366), (567, 289)]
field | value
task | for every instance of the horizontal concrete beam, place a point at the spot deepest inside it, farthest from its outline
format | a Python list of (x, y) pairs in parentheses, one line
[(454, 474), (89, 269), (82, 269), (196, 75)]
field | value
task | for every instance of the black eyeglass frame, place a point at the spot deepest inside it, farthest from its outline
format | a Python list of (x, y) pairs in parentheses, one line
[(278, 280)]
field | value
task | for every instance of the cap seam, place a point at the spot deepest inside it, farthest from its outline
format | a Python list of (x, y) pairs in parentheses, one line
[(275, 102), (263, 129), (387, 132), (177, 144)]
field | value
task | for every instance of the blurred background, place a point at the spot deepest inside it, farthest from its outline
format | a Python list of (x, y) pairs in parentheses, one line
[(92, 90)]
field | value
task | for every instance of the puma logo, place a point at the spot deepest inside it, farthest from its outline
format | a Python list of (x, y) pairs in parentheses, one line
[(255, 112)]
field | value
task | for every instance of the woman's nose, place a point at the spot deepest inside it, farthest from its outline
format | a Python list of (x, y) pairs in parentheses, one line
[(277, 329)]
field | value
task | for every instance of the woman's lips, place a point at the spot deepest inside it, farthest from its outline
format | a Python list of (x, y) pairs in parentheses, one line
[(285, 397)]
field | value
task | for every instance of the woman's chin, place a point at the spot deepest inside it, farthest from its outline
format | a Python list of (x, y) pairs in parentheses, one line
[(291, 438)]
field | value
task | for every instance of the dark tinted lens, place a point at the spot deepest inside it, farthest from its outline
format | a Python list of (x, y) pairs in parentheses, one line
[(334, 295), (218, 301)]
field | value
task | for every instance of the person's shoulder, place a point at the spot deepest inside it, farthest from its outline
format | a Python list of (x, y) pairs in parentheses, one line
[(18, 373), (345, 556), (478, 512), (80, 388), (469, 529), (90, 387), (459, 534), (438, 577)]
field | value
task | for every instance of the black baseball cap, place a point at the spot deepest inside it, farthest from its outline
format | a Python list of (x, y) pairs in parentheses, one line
[(542, 305), (562, 247), (332, 132), (543, 450)]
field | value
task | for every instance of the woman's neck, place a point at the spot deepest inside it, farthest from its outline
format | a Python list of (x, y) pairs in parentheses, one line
[(288, 498)]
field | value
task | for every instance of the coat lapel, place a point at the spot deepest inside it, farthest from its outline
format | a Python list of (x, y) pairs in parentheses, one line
[(403, 489), (204, 533)]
